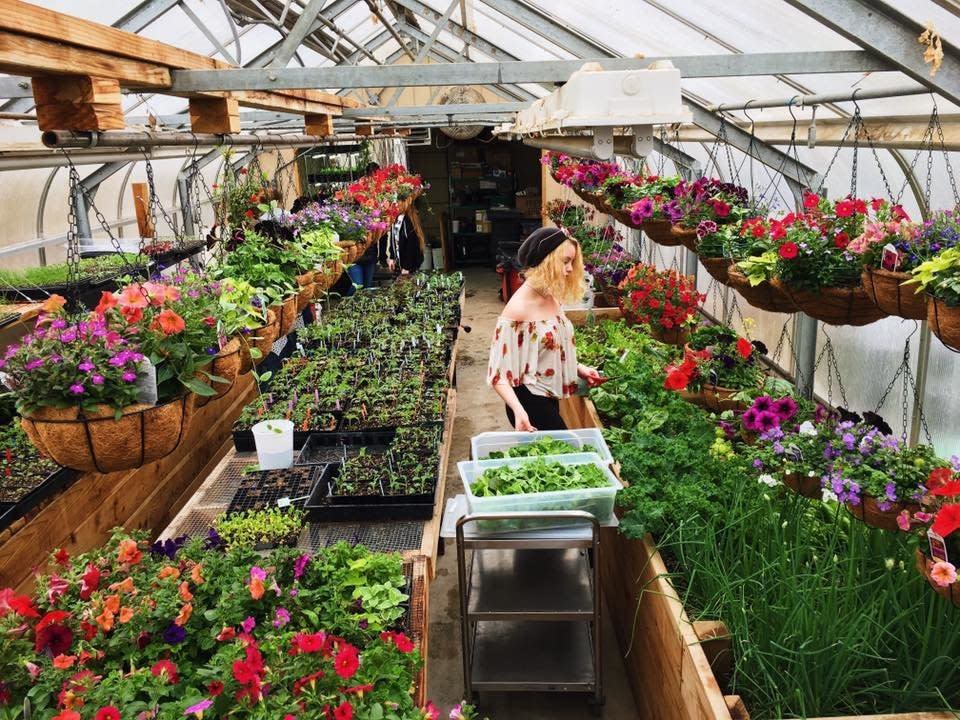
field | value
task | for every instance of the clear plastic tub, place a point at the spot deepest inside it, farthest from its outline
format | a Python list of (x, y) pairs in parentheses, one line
[(596, 501), (489, 442)]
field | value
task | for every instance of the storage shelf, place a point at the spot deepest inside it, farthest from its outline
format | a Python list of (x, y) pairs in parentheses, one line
[(545, 585), (540, 657)]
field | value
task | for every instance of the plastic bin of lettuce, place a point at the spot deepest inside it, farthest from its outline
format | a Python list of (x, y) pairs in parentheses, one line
[(542, 442)]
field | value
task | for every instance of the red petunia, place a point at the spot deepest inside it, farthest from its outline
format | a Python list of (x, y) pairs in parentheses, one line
[(344, 711), (22, 605), (107, 713), (947, 520), (950, 489), (61, 556), (215, 688), (938, 477), (744, 347), (165, 668), (676, 379), (841, 241), (346, 662), (90, 581), (403, 643), (811, 201), (789, 250)]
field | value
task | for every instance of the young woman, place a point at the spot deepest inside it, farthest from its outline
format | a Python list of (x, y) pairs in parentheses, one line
[(533, 360)]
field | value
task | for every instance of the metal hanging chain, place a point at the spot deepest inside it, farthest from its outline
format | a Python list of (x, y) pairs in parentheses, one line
[(926, 143), (73, 242), (829, 354), (861, 127), (908, 383), (155, 205), (661, 160), (826, 173), (774, 177), (946, 157)]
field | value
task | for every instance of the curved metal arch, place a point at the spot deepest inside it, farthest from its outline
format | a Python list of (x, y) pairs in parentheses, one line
[(120, 196), (41, 209)]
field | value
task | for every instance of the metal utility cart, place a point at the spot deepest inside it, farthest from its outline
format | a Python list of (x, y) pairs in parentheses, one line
[(530, 604)]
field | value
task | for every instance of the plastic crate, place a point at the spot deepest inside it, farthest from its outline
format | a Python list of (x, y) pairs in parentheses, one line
[(489, 442), (596, 501)]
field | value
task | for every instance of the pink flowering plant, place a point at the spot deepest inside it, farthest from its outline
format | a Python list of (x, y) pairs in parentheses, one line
[(188, 629), (585, 175), (914, 242), (73, 363), (711, 199)]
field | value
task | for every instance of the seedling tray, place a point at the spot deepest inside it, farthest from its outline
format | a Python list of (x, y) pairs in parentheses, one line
[(262, 489), (243, 437), (56, 481), (323, 506), (329, 448)]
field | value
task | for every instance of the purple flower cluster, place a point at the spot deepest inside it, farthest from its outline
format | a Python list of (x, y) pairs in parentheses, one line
[(767, 414)]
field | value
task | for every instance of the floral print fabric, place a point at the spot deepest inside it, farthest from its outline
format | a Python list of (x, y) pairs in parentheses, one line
[(540, 354)]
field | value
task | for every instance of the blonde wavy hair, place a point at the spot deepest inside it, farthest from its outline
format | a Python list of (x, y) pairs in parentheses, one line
[(547, 278)]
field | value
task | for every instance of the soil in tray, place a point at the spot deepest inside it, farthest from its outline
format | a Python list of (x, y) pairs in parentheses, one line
[(325, 507), (327, 448), (262, 489), (22, 468), (377, 478)]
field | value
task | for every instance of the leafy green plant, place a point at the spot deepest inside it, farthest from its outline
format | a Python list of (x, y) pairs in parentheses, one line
[(536, 477), (273, 527), (940, 276), (542, 446)]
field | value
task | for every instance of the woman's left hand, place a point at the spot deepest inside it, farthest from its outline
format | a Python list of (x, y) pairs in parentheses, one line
[(591, 375)]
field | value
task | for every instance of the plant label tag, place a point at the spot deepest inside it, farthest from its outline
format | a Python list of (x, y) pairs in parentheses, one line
[(938, 548), (283, 502), (890, 259), (624, 356), (146, 382)]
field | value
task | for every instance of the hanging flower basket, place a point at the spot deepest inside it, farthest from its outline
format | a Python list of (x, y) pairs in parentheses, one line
[(262, 339), (672, 336), (804, 485), (764, 296), (611, 296), (624, 218), (713, 398), (305, 278), (326, 278), (288, 315), (947, 592), (718, 268), (944, 322), (687, 236), (304, 297), (869, 512), (887, 293), (226, 364), (99, 442), (661, 232), (834, 305)]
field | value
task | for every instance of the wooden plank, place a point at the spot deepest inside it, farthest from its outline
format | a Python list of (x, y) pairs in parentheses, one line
[(738, 711), (717, 644), (430, 537), (78, 102), (895, 716), (21, 55), (214, 115), (364, 130), (141, 204), (321, 125)]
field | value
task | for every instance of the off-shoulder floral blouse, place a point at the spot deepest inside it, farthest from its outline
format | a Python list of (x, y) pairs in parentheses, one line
[(540, 354)]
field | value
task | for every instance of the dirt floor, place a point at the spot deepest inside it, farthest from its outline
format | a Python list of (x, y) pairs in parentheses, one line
[(479, 410)]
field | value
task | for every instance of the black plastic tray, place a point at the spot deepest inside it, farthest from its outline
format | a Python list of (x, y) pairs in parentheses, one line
[(327, 448), (55, 481), (243, 439), (252, 495), (320, 508)]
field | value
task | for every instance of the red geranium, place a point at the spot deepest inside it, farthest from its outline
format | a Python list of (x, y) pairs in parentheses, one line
[(107, 713), (789, 250), (663, 298), (845, 208), (744, 347), (947, 520), (811, 201)]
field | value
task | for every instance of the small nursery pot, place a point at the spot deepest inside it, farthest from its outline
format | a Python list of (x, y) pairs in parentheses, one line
[(950, 592), (886, 290), (870, 513), (98, 442)]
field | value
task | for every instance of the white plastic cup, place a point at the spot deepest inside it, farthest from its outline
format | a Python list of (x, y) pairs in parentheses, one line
[(274, 441)]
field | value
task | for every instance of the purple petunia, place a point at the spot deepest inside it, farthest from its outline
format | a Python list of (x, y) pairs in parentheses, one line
[(174, 634), (767, 421), (300, 566), (249, 624), (785, 408), (750, 419), (764, 403), (33, 364), (129, 376), (97, 379), (86, 366), (282, 617), (77, 389)]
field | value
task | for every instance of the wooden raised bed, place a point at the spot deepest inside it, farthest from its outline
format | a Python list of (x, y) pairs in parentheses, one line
[(82, 515), (672, 663)]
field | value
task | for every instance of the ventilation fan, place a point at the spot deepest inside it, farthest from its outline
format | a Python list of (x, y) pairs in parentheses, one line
[(462, 95)]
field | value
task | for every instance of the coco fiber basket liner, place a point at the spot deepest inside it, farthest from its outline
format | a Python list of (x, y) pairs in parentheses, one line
[(100, 443), (304, 297), (288, 315), (226, 364), (716, 399), (260, 338), (950, 592), (804, 485), (661, 232), (944, 322), (719, 268), (887, 293), (834, 306), (687, 236), (869, 512), (764, 296)]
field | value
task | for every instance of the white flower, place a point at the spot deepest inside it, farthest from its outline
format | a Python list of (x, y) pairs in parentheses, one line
[(889, 562), (807, 428), (829, 496), (811, 473), (768, 480), (783, 524)]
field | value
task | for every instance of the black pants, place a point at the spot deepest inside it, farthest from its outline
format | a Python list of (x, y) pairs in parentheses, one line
[(544, 412)]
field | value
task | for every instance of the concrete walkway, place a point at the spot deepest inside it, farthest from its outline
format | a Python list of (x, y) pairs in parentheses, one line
[(479, 410)]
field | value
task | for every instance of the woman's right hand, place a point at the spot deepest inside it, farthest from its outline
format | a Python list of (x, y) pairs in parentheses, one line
[(522, 422)]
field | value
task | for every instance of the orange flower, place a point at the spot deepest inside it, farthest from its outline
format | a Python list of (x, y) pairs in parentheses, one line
[(185, 593), (132, 297), (68, 714), (168, 571), (64, 662), (132, 315), (126, 615), (196, 574), (170, 323), (256, 588), (107, 301), (105, 620), (129, 552), (53, 304), (125, 586), (184, 615), (112, 603)]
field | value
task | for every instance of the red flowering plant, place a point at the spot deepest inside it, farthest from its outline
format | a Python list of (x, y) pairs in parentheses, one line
[(382, 192), (238, 195), (940, 513), (659, 298), (583, 175), (176, 324), (709, 199), (187, 629), (81, 363), (716, 355)]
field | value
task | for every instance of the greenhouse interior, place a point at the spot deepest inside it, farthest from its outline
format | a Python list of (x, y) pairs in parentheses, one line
[(480, 359)]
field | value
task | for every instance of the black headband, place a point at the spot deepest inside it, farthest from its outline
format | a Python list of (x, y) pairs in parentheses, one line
[(538, 245)]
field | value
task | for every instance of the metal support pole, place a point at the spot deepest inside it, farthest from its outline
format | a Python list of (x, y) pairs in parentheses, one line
[(146, 138), (805, 343), (923, 366), (186, 207), (824, 98), (83, 214)]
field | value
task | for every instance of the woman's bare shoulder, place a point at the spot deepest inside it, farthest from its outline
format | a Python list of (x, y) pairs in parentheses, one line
[(524, 305)]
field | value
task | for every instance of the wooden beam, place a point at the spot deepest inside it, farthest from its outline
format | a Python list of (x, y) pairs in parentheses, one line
[(22, 55), (141, 203), (364, 130), (214, 115), (77, 102), (321, 125)]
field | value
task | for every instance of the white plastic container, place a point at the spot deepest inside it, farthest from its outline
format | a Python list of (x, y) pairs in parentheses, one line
[(489, 442), (274, 441), (596, 501)]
